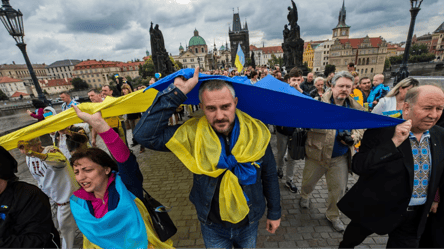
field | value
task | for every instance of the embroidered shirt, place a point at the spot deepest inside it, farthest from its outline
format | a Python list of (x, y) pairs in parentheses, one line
[(67, 106), (422, 163)]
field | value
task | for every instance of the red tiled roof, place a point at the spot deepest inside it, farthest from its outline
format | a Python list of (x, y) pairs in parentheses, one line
[(400, 49), (9, 80), (55, 82), (355, 42), (95, 64), (146, 57), (253, 48), (134, 65), (392, 45), (267, 50), (17, 94)]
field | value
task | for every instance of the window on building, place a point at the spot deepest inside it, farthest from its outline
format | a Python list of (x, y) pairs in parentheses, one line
[(184, 60), (192, 60), (366, 70), (371, 70), (94, 80), (368, 60), (197, 51), (192, 66), (89, 81), (203, 51)]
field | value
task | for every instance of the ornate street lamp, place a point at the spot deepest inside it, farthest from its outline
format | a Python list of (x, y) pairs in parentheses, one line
[(13, 21), (403, 71)]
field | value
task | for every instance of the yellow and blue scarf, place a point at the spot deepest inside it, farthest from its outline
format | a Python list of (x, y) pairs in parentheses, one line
[(122, 227), (202, 151)]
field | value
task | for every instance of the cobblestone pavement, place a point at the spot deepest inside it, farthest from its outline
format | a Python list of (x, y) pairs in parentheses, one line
[(168, 180)]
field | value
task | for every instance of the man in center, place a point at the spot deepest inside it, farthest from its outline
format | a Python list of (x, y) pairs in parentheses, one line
[(329, 152), (229, 154)]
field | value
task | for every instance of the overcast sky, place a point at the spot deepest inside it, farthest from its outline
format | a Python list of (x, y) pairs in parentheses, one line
[(119, 29)]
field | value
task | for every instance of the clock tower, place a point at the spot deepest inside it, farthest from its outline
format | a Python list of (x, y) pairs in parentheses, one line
[(342, 30)]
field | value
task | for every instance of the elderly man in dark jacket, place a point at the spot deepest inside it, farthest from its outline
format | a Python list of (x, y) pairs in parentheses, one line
[(400, 169)]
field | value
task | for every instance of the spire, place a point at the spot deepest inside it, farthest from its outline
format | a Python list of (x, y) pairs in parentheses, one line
[(246, 25), (236, 22), (342, 16)]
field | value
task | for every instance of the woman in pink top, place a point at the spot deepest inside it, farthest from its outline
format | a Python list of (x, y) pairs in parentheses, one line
[(107, 208), (39, 106)]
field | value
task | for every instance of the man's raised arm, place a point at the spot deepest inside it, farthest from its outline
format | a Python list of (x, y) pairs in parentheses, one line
[(153, 131)]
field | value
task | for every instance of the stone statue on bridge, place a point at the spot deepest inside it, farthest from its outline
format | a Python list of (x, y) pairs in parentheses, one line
[(161, 59), (293, 45)]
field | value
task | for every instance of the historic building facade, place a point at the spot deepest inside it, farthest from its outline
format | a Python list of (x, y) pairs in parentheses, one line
[(368, 53), (321, 55), (239, 35), (20, 71), (9, 86), (61, 69), (97, 73), (438, 42), (54, 86), (196, 53), (434, 42), (263, 54)]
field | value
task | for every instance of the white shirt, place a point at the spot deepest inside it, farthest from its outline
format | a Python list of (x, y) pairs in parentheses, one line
[(385, 104), (55, 179)]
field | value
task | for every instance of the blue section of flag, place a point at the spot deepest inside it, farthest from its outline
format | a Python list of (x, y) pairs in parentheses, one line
[(241, 55)]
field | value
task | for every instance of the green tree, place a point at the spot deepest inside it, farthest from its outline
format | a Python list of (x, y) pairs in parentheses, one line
[(128, 78), (79, 84), (387, 63), (418, 49), (275, 61), (176, 66), (248, 62), (329, 69), (147, 69), (3, 96), (179, 64)]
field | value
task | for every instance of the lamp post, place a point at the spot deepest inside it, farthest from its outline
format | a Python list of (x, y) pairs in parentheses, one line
[(403, 71), (13, 21)]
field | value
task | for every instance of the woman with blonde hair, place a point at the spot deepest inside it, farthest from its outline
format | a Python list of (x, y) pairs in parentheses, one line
[(394, 100)]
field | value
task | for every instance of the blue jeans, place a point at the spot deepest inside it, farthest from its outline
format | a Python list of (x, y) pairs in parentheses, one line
[(218, 236)]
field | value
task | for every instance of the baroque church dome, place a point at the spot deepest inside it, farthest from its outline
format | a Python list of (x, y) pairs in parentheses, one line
[(196, 40)]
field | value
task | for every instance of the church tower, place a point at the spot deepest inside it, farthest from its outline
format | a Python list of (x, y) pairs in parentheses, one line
[(342, 30), (239, 35)]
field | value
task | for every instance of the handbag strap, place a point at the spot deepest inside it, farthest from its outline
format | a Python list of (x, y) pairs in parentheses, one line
[(148, 195)]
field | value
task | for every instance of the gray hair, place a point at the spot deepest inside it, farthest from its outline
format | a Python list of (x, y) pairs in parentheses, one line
[(412, 95), (342, 74), (318, 78), (212, 85), (409, 81)]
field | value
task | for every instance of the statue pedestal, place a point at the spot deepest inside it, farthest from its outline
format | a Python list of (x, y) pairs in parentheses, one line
[(293, 52)]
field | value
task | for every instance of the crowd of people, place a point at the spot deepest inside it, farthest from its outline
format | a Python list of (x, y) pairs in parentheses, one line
[(235, 171)]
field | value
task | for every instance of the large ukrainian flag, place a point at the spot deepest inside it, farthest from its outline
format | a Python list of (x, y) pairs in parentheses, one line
[(240, 58)]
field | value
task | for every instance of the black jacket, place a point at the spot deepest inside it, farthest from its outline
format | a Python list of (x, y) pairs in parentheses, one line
[(26, 220), (307, 87), (385, 184)]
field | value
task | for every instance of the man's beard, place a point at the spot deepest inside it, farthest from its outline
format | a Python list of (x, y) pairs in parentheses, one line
[(218, 130)]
